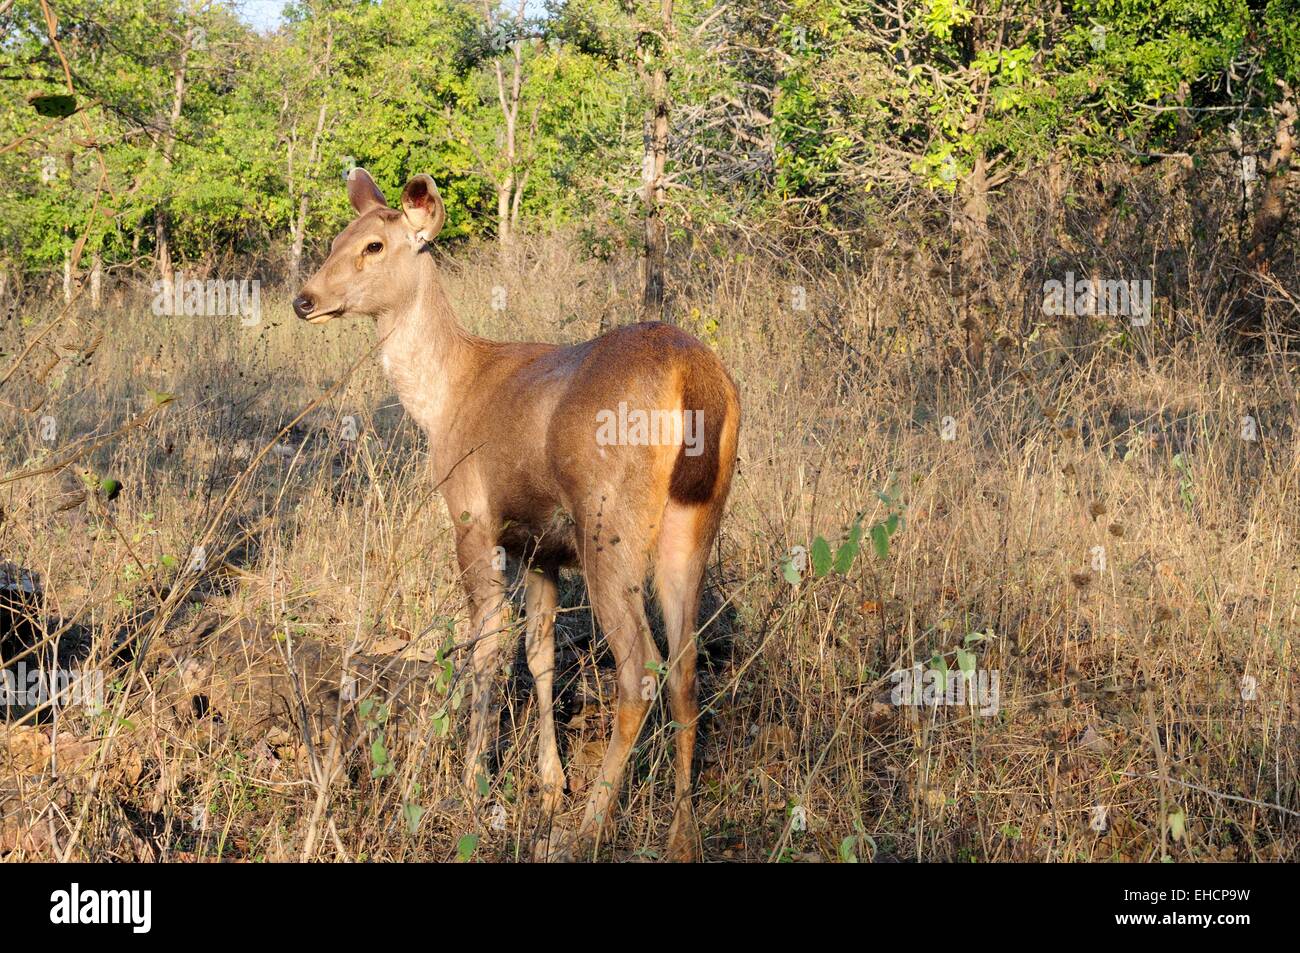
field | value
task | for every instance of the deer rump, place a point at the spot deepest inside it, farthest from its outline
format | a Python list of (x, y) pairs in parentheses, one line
[(645, 428)]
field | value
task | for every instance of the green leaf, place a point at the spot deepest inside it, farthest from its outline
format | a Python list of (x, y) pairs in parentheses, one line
[(466, 846), (848, 854), (412, 814), (848, 550), (1177, 824), (937, 661), (821, 557), (790, 573), (481, 782), (880, 540)]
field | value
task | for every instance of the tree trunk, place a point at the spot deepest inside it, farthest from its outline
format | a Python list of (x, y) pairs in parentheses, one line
[(974, 195), (298, 238), (96, 279), (162, 245), (304, 200), (974, 232), (504, 233), (652, 172), (1272, 212), (509, 101), (162, 242)]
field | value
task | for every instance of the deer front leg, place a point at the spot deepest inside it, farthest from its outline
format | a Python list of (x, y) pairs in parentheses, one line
[(483, 574)]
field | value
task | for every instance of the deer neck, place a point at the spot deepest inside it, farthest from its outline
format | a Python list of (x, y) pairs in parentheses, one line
[(428, 356)]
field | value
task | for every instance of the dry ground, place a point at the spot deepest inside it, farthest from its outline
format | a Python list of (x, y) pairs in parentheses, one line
[(1096, 531)]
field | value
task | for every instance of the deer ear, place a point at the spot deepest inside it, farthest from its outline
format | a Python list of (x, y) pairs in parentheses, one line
[(422, 207), (363, 193)]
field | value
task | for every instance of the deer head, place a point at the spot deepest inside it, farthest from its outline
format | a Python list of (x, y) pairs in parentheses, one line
[(372, 266)]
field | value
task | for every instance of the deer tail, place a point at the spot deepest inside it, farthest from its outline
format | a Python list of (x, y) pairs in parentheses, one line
[(711, 421)]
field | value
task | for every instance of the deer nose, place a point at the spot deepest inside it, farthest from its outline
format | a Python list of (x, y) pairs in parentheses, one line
[(303, 305)]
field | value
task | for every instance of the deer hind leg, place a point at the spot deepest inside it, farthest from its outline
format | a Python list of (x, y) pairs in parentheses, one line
[(684, 540), (541, 598), (485, 580), (616, 566)]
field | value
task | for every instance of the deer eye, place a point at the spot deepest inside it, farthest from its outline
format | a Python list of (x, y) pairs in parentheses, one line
[(374, 248)]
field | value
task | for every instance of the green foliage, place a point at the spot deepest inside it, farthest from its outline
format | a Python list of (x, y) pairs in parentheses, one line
[(412, 814), (880, 533), (821, 557), (373, 717), (465, 847), (823, 105), (1186, 488), (848, 550)]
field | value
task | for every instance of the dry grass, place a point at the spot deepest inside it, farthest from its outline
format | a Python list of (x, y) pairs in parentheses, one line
[(1121, 681)]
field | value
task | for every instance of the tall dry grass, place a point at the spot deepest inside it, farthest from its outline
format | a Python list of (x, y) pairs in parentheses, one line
[(1096, 531)]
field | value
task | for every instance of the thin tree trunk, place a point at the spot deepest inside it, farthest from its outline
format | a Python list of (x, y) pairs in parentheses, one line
[(96, 279), (509, 182), (1272, 212), (313, 159), (162, 245), (652, 172), (162, 241), (304, 200), (517, 200), (504, 189), (510, 115), (974, 195)]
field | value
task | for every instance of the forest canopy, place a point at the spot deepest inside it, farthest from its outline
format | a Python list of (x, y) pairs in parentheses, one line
[(139, 133)]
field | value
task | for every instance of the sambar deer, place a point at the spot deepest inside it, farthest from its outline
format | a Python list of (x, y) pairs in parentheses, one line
[(521, 437)]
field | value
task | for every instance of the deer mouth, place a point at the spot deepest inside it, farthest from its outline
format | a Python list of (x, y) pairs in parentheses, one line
[(320, 317)]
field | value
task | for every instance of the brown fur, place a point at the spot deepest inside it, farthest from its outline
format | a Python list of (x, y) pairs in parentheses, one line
[(515, 441)]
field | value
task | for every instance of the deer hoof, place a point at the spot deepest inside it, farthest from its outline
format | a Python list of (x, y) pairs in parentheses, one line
[(553, 787), (683, 836), (555, 848)]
